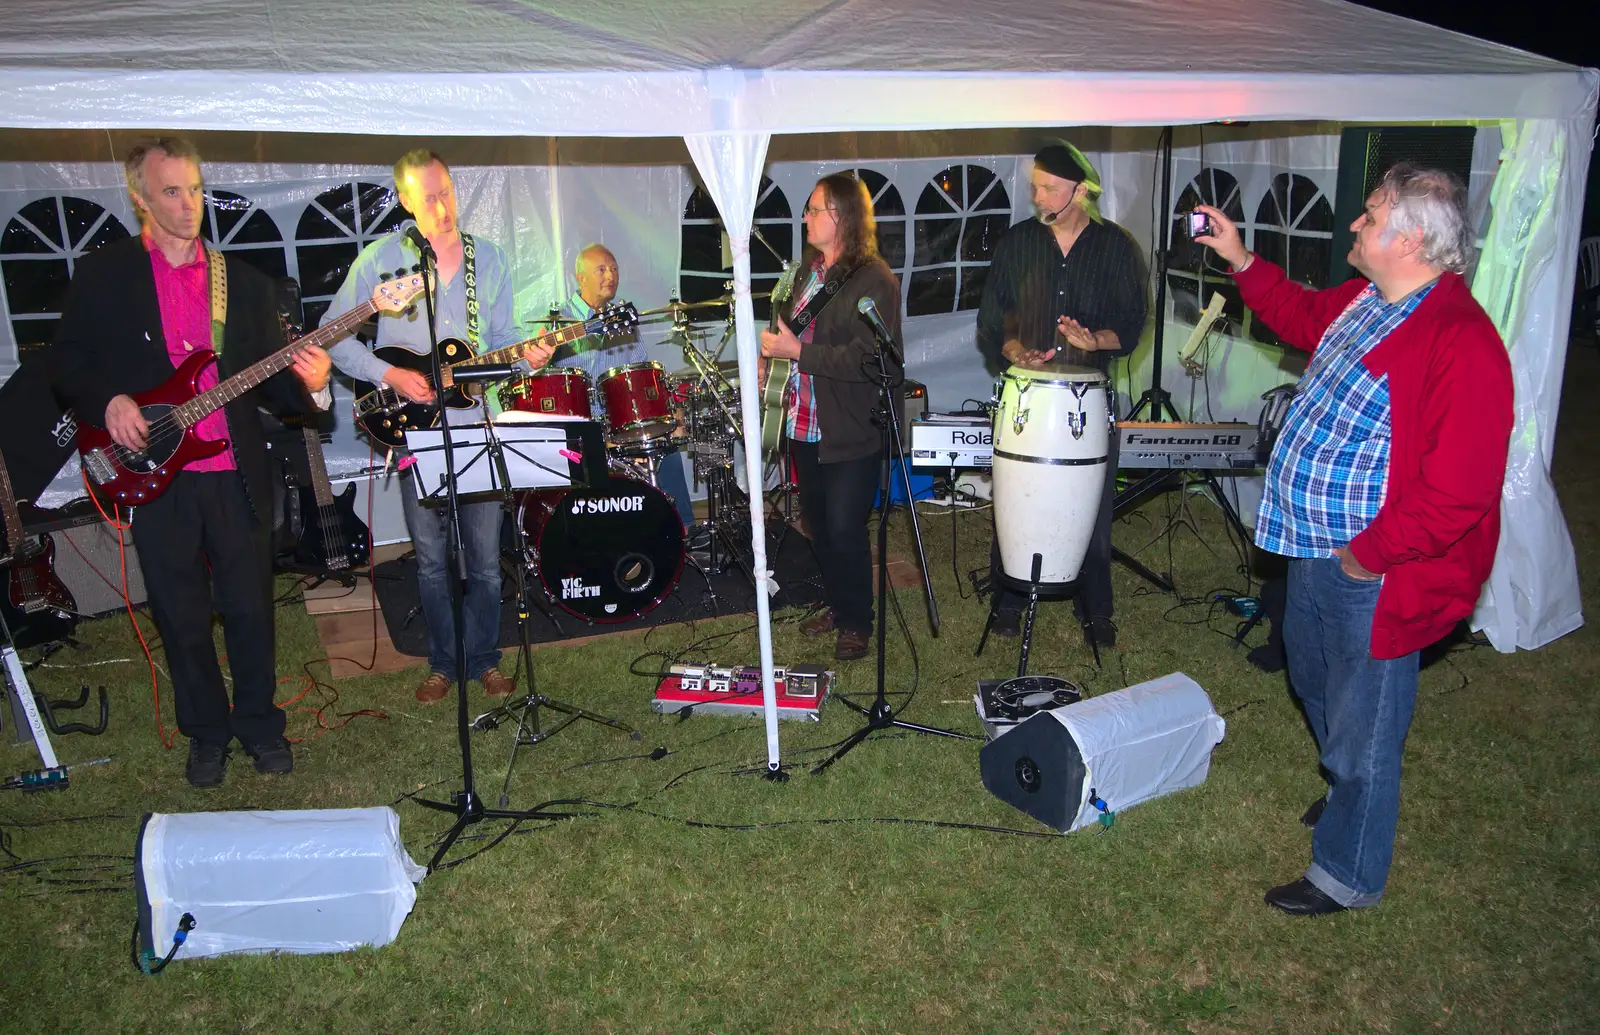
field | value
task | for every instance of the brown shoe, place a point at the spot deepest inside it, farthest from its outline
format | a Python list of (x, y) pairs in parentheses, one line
[(496, 683), (434, 688), (850, 645), (818, 625)]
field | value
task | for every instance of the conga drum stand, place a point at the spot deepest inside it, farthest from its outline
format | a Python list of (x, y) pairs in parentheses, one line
[(1036, 591)]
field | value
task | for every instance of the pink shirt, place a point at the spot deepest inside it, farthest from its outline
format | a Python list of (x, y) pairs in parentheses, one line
[(184, 294)]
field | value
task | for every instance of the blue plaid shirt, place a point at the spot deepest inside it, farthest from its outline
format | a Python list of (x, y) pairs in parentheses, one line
[(1330, 467)]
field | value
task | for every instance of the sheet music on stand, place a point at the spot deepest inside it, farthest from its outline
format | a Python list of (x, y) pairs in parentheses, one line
[(535, 456)]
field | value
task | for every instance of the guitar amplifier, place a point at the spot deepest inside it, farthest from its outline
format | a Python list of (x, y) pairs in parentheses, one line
[(88, 564), (946, 440)]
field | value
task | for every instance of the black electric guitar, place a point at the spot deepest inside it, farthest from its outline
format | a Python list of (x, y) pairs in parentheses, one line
[(386, 414), (333, 537), (38, 606)]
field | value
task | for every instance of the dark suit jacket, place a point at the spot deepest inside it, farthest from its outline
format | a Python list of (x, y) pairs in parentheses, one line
[(841, 361), (109, 342)]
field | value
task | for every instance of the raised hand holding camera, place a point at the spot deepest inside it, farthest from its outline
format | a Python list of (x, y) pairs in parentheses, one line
[(1219, 233)]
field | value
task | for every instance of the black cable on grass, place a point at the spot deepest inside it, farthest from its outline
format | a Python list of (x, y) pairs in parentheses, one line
[(777, 824)]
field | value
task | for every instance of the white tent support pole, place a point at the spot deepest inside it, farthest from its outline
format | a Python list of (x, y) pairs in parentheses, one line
[(730, 166), (553, 150)]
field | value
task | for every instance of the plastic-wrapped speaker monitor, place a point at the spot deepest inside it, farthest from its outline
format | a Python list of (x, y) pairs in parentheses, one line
[(1117, 750), (323, 880)]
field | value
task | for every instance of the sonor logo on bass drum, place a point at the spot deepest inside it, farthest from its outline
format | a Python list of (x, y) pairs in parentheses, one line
[(609, 505)]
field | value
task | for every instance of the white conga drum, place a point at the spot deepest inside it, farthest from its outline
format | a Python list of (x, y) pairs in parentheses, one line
[(1051, 442)]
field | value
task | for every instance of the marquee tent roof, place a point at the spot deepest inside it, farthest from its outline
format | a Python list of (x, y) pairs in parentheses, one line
[(642, 68)]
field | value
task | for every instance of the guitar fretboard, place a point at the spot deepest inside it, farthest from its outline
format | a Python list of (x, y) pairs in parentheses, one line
[(513, 352), (192, 412), (9, 511)]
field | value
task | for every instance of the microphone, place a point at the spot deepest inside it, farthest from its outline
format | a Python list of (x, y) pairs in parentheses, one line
[(413, 233), (869, 309), (1050, 218)]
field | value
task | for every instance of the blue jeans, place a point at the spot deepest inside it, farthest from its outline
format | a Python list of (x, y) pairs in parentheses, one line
[(480, 535), (1359, 709), (672, 480)]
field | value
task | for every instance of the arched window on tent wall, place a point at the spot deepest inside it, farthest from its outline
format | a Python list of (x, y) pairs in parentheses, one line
[(959, 219), (238, 226), (39, 250), (333, 229), (1190, 265), (1294, 228), (702, 274)]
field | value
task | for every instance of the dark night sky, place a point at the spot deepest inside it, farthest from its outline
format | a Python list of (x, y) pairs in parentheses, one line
[(1542, 26)]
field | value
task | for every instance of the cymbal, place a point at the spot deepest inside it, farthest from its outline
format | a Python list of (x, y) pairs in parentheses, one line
[(707, 304)]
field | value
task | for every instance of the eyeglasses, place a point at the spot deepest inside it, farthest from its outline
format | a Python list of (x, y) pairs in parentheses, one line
[(818, 211)]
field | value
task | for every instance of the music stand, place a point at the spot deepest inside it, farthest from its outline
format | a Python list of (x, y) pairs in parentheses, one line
[(494, 461)]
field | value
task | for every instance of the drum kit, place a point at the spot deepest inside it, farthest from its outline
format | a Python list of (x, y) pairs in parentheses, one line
[(624, 564)]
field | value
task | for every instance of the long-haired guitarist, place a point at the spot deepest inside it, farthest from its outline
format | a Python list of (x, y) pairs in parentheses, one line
[(473, 305), (836, 446), (135, 310)]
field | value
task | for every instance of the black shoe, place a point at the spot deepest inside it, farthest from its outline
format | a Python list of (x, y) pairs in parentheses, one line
[(1302, 898), (208, 764), (1102, 630), (272, 757), (1314, 813), (1007, 624)]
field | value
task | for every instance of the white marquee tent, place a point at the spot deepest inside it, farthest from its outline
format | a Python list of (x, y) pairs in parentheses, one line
[(844, 80)]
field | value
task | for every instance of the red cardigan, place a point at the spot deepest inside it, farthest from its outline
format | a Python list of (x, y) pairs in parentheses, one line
[(1435, 535)]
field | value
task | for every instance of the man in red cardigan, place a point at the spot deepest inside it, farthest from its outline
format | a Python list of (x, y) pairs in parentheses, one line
[(1384, 492)]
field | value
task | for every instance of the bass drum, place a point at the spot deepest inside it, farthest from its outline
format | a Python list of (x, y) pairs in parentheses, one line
[(608, 553)]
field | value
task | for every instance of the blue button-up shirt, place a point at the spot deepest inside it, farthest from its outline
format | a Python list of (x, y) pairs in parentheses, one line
[(409, 328), (595, 355), (1330, 467)]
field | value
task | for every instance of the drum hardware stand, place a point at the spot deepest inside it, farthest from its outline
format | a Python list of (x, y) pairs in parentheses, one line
[(464, 804), (1036, 591), (881, 715)]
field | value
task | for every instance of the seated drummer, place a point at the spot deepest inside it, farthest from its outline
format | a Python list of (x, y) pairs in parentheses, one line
[(598, 278), (1066, 286)]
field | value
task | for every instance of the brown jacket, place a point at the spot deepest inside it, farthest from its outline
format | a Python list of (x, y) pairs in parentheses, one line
[(842, 361)]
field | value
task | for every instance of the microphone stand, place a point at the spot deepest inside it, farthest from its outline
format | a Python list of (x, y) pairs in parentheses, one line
[(465, 803), (881, 715)]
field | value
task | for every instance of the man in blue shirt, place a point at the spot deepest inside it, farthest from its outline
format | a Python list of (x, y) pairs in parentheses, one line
[(472, 302), (598, 279)]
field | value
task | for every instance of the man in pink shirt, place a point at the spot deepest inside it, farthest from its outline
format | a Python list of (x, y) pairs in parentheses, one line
[(134, 311)]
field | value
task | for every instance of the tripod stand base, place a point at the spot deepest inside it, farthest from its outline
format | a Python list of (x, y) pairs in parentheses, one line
[(490, 720), (880, 717), (468, 809)]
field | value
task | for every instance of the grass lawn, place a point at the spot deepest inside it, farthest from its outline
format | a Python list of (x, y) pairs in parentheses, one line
[(836, 907)]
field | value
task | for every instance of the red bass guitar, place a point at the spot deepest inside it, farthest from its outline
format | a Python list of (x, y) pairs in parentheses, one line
[(134, 477)]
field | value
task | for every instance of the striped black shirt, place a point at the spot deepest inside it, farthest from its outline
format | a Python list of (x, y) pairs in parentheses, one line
[(1100, 283)]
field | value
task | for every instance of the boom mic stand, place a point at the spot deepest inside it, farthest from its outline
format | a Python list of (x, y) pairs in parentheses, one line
[(464, 804), (881, 715)]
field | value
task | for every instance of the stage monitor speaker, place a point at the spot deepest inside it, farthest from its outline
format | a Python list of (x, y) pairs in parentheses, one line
[(37, 436), (1115, 750), (1367, 152), (244, 878)]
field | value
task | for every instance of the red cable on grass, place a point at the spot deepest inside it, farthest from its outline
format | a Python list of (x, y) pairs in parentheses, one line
[(127, 600)]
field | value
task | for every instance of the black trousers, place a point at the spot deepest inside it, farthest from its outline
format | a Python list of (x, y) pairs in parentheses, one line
[(837, 500), (1094, 590), (202, 549)]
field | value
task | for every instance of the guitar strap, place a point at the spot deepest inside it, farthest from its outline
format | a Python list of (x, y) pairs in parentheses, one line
[(820, 300), (217, 267), (469, 280)]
